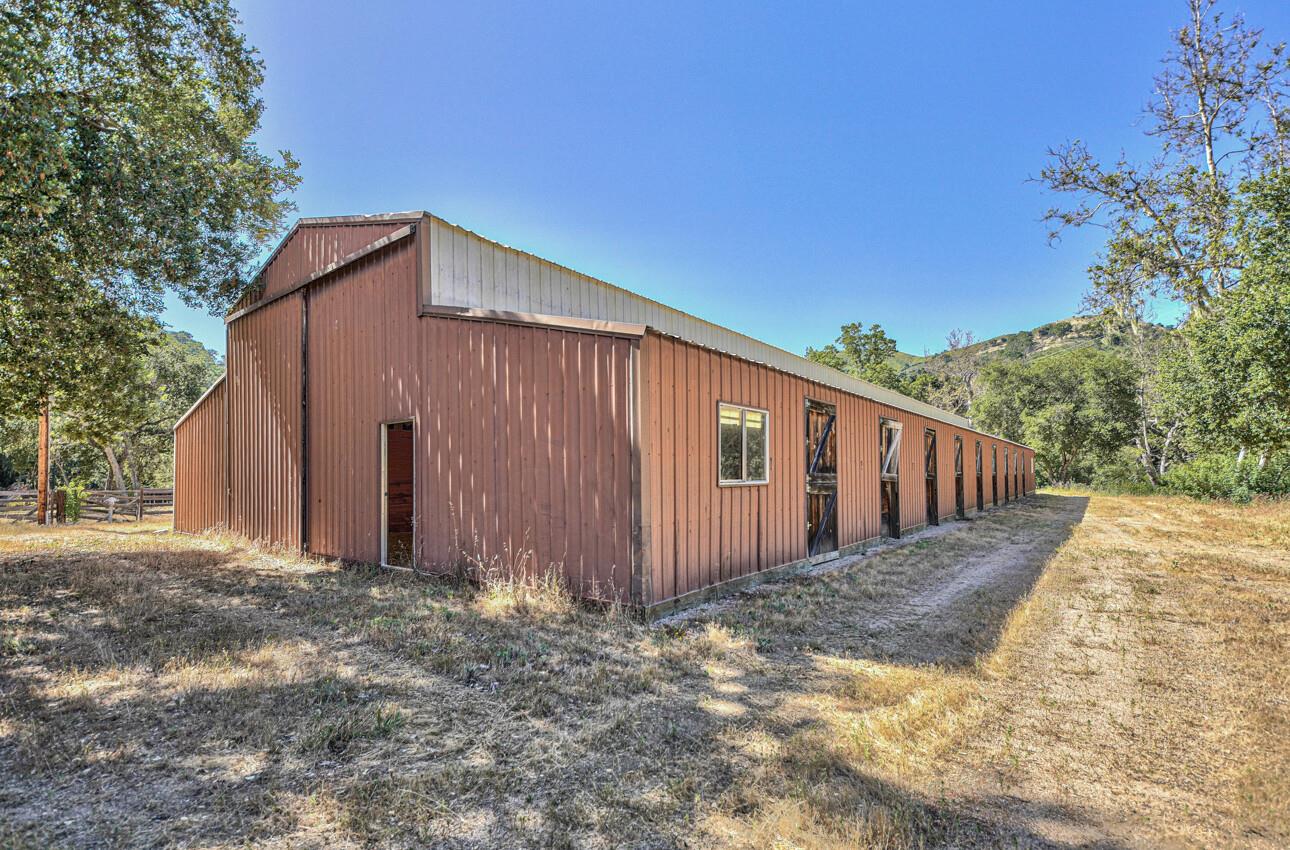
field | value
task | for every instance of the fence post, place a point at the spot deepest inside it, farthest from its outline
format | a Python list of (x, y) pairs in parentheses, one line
[(139, 514)]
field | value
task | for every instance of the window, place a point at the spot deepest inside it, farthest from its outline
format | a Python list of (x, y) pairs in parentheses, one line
[(741, 434), (889, 449)]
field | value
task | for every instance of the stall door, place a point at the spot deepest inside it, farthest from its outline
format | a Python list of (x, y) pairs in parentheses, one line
[(959, 510), (980, 479), (889, 434), (1007, 477), (821, 481), (929, 474), (994, 475)]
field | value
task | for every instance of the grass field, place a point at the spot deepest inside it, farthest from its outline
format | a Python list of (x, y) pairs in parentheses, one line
[(1076, 670)]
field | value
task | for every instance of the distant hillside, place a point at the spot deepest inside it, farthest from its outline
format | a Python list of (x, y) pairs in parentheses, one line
[(1064, 335)]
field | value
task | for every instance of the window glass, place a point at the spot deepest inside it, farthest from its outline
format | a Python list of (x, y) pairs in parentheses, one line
[(731, 432), (742, 433), (755, 444)]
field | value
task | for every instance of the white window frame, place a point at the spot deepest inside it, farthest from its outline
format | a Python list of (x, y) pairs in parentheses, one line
[(890, 467), (743, 481)]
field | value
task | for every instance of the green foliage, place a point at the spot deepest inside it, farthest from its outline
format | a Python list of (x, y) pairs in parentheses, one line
[(831, 356), (134, 416), (69, 458), (1222, 476), (1122, 472), (127, 169), (1075, 409), (869, 355), (1057, 329), (1170, 218), (1229, 370), (130, 164), (1017, 346), (177, 371), (74, 491)]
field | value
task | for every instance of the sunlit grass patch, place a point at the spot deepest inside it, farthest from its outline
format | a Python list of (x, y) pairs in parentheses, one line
[(278, 700), (897, 718)]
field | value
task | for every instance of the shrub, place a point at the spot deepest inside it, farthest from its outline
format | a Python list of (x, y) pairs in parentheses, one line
[(1017, 346), (75, 490), (1220, 476), (1061, 328), (1122, 473)]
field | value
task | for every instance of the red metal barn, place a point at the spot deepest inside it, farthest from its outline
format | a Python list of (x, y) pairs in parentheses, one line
[(401, 390)]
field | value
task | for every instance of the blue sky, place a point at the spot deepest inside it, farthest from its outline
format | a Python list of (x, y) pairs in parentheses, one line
[(777, 169)]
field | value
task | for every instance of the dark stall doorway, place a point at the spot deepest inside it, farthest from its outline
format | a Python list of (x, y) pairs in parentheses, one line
[(397, 495), (994, 475), (929, 467), (1007, 478), (821, 481), (958, 478), (889, 432), (980, 479)]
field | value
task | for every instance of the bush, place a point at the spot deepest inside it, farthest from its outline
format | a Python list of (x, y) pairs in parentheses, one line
[(1122, 473), (1219, 476), (1017, 346), (75, 490), (1061, 328)]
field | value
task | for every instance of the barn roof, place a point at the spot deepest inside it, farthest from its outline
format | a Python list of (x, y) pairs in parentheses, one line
[(467, 270)]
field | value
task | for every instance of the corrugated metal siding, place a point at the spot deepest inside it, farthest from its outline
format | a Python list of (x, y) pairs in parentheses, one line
[(364, 369), (264, 422), (700, 534), (467, 270), (523, 434), (201, 483), (313, 245)]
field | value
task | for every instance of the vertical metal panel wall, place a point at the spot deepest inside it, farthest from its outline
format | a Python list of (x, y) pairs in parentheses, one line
[(523, 434), (201, 483), (699, 533), (468, 270), (316, 246), (264, 422), (526, 441)]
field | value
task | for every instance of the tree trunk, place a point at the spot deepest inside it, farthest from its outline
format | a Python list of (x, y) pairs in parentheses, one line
[(116, 481), (129, 462), (42, 466), (1164, 452)]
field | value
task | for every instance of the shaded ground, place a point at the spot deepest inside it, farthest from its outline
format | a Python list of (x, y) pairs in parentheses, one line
[(1064, 672)]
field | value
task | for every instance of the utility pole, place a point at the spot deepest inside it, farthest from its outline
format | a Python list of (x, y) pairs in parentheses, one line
[(42, 466)]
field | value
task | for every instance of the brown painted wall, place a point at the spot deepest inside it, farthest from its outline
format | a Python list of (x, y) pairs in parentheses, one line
[(312, 247), (698, 533), (523, 434), (526, 440), (264, 422), (201, 482)]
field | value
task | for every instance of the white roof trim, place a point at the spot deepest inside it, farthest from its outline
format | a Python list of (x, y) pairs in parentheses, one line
[(618, 304)]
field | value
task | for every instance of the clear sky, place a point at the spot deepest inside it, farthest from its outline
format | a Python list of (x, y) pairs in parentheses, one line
[(777, 169)]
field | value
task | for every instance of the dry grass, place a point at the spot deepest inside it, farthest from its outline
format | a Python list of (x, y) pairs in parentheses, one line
[(1069, 671)]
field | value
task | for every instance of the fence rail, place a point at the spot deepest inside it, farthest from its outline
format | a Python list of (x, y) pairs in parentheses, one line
[(96, 505)]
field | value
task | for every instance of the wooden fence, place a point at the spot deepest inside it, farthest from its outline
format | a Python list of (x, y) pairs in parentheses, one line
[(97, 505)]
